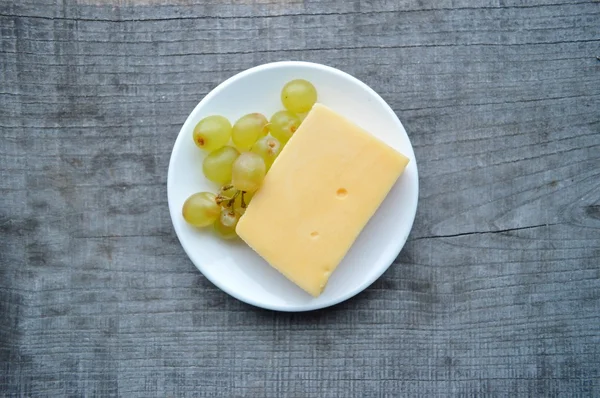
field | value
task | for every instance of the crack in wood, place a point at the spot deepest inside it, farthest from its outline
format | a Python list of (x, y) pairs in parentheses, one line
[(499, 231)]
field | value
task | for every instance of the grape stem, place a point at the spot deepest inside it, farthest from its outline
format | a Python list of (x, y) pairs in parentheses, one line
[(228, 201), (232, 200), (243, 201), (222, 197)]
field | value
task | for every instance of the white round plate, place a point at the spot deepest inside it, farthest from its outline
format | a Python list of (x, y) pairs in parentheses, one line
[(233, 266)]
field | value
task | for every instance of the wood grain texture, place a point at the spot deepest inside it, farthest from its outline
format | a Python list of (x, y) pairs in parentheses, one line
[(497, 292)]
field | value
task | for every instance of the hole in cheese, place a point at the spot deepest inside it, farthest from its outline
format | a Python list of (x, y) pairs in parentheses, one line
[(314, 234), (341, 193)]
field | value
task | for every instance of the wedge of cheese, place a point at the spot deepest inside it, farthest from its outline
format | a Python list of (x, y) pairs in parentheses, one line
[(319, 194)]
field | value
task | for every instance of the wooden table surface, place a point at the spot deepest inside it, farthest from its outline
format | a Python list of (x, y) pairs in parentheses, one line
[(496, 293)]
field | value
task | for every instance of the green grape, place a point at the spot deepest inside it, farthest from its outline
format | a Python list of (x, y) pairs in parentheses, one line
[(248, 129), (226, 230), (212, 132), (268, 148), (298, 96), (248, 172), (201, 209), (217, 164), (227, 190), (229, 218), (283, 125)]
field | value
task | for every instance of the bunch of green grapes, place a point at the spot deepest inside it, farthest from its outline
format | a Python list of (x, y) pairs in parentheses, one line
[(243, 173), (239, 156)]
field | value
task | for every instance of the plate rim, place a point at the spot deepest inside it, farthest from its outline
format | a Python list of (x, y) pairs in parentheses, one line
[(308, 306)]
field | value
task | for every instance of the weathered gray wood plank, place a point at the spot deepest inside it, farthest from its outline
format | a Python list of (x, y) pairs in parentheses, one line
[(496, 293)]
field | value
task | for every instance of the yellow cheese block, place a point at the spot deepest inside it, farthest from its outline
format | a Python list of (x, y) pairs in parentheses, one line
[(325, 185)]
